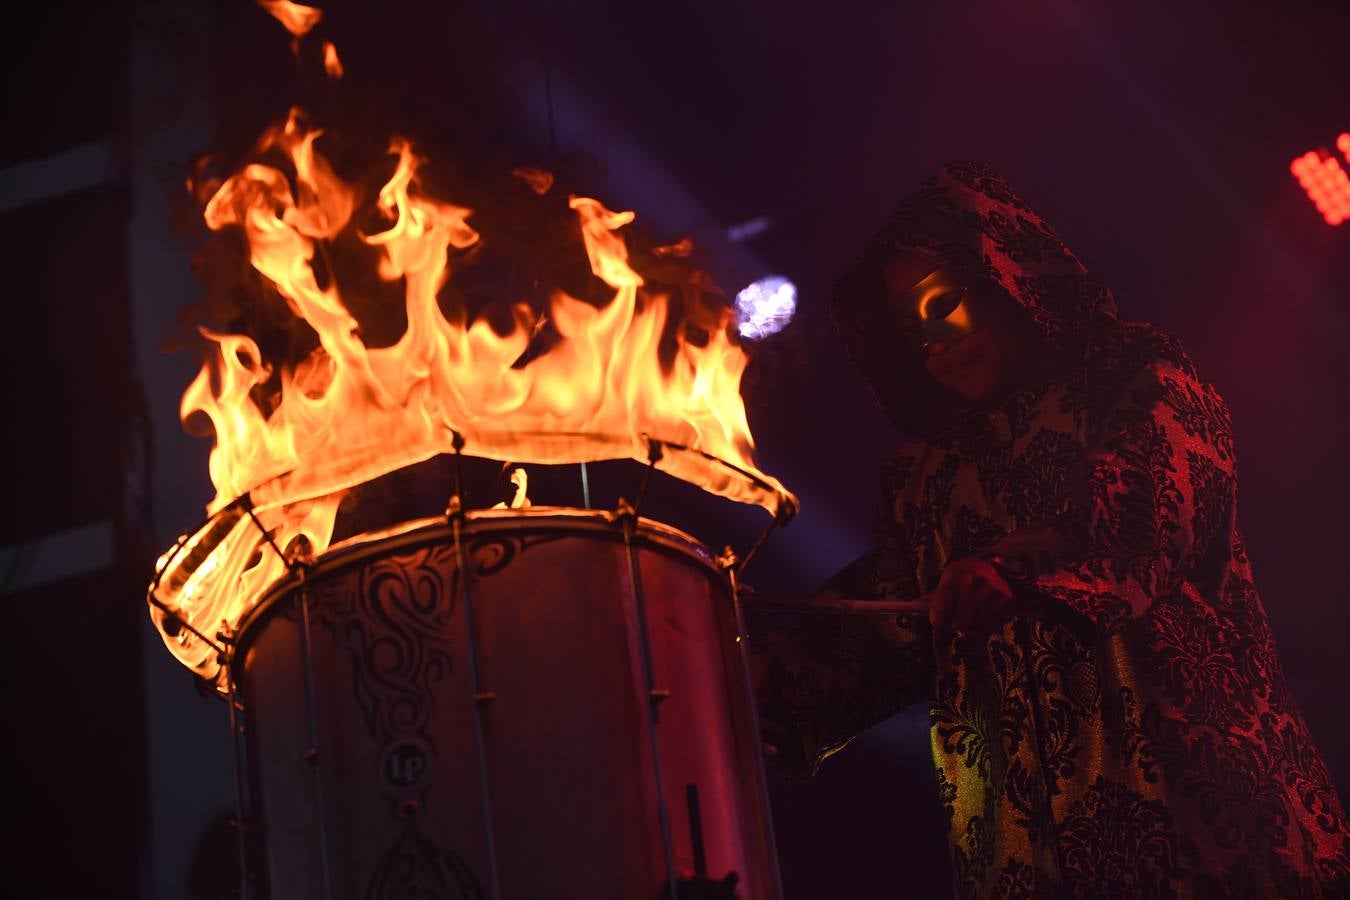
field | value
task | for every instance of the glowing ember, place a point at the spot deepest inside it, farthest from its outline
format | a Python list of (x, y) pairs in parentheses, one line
[(291, 437)]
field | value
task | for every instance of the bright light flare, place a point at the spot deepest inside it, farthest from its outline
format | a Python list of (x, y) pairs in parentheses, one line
[(765, 307)]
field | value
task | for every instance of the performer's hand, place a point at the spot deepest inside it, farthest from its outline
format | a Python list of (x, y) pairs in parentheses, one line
[(970, 596)]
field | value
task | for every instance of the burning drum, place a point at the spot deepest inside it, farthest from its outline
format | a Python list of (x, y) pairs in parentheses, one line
[(538, 703)]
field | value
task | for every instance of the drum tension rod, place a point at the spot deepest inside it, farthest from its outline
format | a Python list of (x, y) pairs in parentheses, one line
[(298, 562), (728, 562), (455, 516), (626, 517), (654, 455), (240, 821), (300, 557), (781, 516), (457, 499), (175, 622)]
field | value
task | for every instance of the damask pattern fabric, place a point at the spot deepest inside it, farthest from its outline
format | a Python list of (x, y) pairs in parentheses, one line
[(1136, 736)]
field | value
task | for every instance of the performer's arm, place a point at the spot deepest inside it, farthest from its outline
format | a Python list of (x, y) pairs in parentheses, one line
[(830, 676)]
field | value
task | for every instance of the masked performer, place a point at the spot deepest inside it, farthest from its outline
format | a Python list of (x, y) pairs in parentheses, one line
[(1109, 717)]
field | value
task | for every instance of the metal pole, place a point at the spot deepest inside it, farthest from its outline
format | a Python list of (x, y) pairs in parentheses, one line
[(628, 520), (239, 821), (311, 713), (480, 697), (174, 621), (757, 739), (759, 542), (654, 454), (696, 830)]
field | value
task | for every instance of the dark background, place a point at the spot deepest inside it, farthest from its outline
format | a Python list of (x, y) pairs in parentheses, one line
[(1155, 136)]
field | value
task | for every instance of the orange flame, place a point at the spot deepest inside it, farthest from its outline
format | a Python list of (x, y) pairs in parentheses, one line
[(349, 413), (539, 181), (298, 20), (331, 64)]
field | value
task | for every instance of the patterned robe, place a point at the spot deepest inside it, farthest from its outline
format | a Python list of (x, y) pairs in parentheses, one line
[(1135, 737)]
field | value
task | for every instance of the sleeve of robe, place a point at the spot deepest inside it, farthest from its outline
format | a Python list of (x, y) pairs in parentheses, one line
[(833, 676), (1151, 507)]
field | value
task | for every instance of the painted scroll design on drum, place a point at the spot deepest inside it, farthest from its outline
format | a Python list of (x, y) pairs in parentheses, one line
[(415, 867), (395, 622), (488, 555)]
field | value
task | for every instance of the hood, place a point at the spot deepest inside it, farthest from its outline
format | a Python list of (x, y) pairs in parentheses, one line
[(968, 216)]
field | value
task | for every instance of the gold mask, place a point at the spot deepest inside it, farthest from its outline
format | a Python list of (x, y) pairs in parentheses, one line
[(946, 304)]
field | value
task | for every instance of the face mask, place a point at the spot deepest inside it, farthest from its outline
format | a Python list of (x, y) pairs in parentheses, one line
[(944, 305)]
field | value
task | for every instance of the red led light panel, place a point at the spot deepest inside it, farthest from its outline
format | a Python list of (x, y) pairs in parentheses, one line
[(1326, 183)]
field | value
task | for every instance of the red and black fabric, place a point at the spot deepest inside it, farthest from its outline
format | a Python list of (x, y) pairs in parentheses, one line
[(1137, 737)]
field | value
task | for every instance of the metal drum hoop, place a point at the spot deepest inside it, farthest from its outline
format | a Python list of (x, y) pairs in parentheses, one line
[(414, 534)]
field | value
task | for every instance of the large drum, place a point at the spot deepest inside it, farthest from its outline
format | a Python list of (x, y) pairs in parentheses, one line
[(550, 705)]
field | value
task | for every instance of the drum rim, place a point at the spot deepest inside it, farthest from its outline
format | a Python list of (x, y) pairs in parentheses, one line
[(417, 532)]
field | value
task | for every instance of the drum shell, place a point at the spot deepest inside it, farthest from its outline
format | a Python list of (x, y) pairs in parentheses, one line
[(388, 796)]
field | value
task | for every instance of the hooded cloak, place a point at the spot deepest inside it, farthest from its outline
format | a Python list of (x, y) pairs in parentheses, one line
[(1135, 737)]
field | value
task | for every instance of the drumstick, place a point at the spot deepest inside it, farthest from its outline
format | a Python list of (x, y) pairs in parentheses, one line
[(807, 605)]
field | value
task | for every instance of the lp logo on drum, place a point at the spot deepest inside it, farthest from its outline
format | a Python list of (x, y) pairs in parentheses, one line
[(405, 765)]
